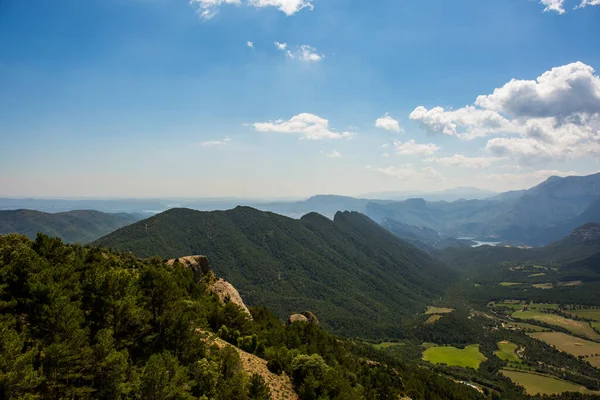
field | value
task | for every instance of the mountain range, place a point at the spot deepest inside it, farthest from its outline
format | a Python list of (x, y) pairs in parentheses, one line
[(79, 226), (358, 277)]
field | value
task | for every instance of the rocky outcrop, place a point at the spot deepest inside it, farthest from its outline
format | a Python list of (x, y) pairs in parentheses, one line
[(306, 316), (296, 318), (203, 273), (198, 264), (311, 317), (228, 294)]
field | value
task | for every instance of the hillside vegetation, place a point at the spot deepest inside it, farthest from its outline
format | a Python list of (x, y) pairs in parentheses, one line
[(81, 226), (83, 323), (360, 279)]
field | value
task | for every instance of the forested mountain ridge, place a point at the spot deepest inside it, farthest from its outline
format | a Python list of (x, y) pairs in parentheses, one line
[(79, 226), (360, 279), (81, 322)]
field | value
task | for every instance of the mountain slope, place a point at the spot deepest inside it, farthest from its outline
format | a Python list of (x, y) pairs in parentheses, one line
[(81, 226), (580, 243), (359, 278)]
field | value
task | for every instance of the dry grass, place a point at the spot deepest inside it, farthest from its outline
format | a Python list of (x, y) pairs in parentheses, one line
[(572, 345), (280, 385), (438, 310), (432, 319), (577, 327)]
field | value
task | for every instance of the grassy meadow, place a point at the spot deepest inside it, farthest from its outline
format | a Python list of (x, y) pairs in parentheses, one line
[(469, 357)]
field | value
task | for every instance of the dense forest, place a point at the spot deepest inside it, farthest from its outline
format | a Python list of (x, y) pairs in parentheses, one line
[(359, 278), (81, 322)]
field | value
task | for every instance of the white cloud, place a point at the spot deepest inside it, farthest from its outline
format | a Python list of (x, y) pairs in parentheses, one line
[(333, 154), (309, 126), (281, 46), (303, 52), (411, 148), (207, 9), (250, 44), (560, 92), (554, 5), (554, 117), (589, 3), (467, 123), (216, 143), (288, 7), (408, 172), (388, 123), (460, 160)]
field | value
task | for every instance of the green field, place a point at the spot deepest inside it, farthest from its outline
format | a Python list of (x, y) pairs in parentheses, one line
[(527, 327), (567, 343), (469, 357), (509, 283), (581, 328), (438, 310), (386, 345), (538, 274), (593, 314), (596, 325), (507, 351), (542, 306), (543, 286), (542, 384)]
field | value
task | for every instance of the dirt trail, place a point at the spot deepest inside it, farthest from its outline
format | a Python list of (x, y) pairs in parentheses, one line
[(280, 385)]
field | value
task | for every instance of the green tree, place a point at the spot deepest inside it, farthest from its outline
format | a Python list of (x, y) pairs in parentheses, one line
[(164, 379)]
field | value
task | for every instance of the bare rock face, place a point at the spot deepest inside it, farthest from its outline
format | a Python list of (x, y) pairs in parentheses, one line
[(202, 272), (198, 264), (312, 318), (228, 294), (296, 318)]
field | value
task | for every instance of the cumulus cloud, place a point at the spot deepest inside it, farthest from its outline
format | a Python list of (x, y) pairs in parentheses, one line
[(460, 160), (216, 143), (207, 9), (388, 123), (467, 123), (411, 148), (554, 117), (308, 126), (250, 44), (409, 172), (303, 52), (554, 5)]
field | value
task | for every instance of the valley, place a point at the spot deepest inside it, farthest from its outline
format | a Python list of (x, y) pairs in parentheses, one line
[(369, 301)]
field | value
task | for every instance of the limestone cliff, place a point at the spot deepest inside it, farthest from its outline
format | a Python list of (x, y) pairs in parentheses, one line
[(203, 273)]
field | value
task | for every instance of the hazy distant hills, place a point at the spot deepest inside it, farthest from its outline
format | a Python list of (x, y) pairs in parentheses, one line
[(465, 193), (81, 226), (581, 243), (535, 217), (355, 275)]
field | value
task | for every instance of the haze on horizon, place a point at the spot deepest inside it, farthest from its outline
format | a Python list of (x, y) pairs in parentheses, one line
[(292, 98)]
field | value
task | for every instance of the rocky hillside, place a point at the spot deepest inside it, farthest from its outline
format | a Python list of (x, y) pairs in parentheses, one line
[(357, 277), (224, 290)]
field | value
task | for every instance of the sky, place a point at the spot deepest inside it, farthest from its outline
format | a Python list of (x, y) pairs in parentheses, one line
[(291, 98)]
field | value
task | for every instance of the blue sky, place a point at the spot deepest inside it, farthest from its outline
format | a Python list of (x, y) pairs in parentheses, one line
[(166, 98)]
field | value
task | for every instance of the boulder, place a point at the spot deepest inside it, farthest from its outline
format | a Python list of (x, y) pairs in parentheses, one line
[(296, 318)]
